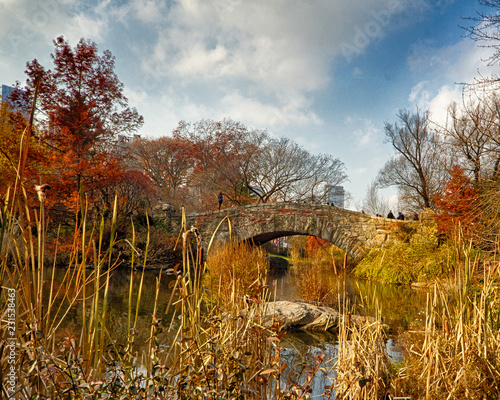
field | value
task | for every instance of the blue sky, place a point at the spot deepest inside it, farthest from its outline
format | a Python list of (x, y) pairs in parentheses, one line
[(326, 73)]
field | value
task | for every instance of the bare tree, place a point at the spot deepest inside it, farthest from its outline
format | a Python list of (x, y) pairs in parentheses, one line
[(285, 171), (251, 166), (471, 134), (373, 203), (418, 169), (485, 30)]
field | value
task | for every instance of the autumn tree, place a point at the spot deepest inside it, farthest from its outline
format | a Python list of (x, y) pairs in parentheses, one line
[(251, 166), (82, 113), (418, 167), (458, 205), (12, 129), (135, 193), (167, 162), (223, 153)]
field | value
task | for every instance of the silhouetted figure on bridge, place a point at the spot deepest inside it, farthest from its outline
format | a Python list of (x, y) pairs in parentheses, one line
[(401, 216), (390, 215), (220, 199)]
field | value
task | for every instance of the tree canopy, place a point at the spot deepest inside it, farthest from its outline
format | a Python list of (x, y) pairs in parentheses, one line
[(207, 157), (82, 115)]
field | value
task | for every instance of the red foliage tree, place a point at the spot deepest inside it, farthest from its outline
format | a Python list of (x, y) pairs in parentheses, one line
[(313, 244), (135, 193), (223, 154), (457, 206), (12, 133), (83, 113), (167, 162)]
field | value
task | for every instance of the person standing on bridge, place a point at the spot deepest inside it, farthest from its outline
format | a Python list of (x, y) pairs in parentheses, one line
[(220, 199), (390, 215)]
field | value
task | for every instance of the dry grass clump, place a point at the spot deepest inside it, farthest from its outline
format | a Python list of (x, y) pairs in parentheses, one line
[(316, 283), (363, 366), (457, 353), (235, 271)]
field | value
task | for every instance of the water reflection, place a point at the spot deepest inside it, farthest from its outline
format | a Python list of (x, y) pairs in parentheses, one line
[(399, 306), (117, 319)]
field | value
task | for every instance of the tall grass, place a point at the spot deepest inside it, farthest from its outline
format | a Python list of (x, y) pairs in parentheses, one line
[(363, 365), (316, 277), (219, 348), (456, 355)]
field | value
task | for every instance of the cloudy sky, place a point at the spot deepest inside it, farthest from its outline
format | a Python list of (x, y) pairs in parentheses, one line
[(326, 73)]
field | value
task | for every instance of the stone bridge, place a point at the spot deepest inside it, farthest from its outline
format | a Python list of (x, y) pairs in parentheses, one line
[(353, 232)]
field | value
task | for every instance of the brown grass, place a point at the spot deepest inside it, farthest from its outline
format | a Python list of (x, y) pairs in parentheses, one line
[(234, 272)]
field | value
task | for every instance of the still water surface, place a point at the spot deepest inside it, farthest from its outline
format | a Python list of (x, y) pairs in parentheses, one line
[(400, 306)]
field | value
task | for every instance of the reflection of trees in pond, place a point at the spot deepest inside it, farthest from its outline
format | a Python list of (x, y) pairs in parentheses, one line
[(118, 303), (299, 351), (400, 305)]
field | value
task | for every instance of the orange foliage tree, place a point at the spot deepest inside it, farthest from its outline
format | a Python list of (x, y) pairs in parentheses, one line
[(167, 162), (84, 112), (458, 205), (12, 128), (222, 154), (313, 244)]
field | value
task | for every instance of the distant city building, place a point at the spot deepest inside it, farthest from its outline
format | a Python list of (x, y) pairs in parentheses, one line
[(335, 195), (6, 92)]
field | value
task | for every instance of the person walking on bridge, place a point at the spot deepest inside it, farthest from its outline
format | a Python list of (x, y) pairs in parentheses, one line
[(220, 199)]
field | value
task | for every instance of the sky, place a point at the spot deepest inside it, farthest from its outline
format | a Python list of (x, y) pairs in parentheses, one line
[(326, 73)]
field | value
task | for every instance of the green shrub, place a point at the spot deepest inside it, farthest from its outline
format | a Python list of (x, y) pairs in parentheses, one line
[(418, 261)]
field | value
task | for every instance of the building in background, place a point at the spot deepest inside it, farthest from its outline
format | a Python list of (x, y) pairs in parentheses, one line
[(335, 195), (6, 91)]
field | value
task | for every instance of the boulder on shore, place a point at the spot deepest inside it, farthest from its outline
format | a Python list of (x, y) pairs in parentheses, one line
[(297, 315)]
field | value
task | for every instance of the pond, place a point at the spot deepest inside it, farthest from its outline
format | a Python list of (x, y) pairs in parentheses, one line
[(399, 306)]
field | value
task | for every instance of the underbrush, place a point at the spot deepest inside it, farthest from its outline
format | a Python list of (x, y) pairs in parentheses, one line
[(423, 259), (215, 351), (218, 347), (316, 276), (456, 354)]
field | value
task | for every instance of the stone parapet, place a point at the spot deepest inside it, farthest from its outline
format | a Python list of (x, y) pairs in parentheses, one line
[(354, 232)]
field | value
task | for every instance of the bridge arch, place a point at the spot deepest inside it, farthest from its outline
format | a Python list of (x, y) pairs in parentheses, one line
[(353, 232)]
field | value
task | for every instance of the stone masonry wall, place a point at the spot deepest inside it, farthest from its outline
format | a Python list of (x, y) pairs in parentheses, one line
[(354, 232)]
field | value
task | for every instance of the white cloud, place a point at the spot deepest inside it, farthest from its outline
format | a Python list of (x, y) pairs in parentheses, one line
[(259, 114), (445, 68), (420, 95), (33, 25), (278, 52), (438, 107), (364, 131)]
